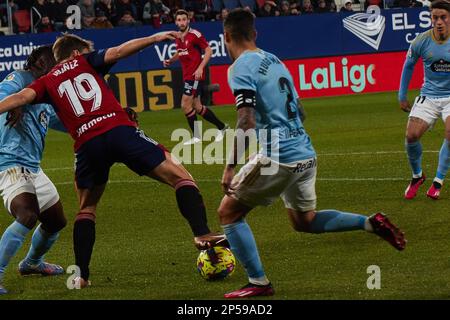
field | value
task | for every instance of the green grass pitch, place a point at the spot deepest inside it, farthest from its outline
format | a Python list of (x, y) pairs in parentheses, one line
[(144, 247)]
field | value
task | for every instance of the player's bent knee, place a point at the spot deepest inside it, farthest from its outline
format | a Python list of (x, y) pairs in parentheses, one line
[(27, 217)]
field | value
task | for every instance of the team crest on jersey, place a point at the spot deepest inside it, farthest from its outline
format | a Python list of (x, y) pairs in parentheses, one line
[(440, 66), (10, 77), (43, 119)]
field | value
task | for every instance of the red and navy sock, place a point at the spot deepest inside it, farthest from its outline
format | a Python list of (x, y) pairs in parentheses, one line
[(190, 203), (209, 116), (83, 241), (191, 118)]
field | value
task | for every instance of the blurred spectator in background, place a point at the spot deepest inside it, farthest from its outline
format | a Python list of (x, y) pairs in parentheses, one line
[(24, 4), (108, 8), (45, 25), (101, 21), (379, 3), (127, 20), (285, 10), (40, 9), (223, 14), (87, 13), (269, 9), (155, 13), (307, 7), (322, 7), (58, 14), (347, 7), (126, 7)]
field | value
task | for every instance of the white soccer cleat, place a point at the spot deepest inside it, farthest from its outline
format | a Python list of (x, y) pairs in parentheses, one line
[(194, 140), (80, 283)]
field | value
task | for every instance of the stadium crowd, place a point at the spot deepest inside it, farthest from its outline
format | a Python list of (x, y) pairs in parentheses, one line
[(50, 15)]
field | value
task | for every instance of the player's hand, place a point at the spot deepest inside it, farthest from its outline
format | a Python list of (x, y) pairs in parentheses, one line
[(13, 117), (163, 36), (167, 63), (132, 115), (228, 175), (405, 106), (198, 74)]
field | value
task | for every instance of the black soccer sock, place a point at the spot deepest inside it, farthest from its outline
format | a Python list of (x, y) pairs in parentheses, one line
[(190, 203), (209, 116), (83, 242), (191, 118)]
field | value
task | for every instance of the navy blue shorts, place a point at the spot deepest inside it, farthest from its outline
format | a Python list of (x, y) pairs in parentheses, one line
[(193, 88), (123, 144)]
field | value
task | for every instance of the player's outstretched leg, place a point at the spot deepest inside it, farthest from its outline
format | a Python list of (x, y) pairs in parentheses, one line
[(45, 235), (189, 200), (444, 161), (414, 131), (338, 221), (25, 208), (243, 245)]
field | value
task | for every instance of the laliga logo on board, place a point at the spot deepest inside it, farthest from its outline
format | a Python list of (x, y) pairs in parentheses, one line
[(369, 27)]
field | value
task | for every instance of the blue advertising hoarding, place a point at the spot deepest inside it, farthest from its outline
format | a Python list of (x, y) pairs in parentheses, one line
[(304, 36)]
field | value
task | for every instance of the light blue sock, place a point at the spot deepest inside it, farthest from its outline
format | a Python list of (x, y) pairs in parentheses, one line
[(10, 243), (414, 151), (243, 246), (444, 160), (41, 242), (336, 221)]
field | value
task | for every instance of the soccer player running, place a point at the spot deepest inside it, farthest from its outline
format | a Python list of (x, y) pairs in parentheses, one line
[(433, 46), (28, 194), (104, 134), (189, 52), (266, 98)]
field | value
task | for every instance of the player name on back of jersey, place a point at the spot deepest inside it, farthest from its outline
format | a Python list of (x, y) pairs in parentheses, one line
[(66, 67)]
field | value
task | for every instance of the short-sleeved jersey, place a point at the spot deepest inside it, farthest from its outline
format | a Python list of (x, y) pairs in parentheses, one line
[(82, 99), (276, 105), (23, 145), (190, 50), (436, 60)]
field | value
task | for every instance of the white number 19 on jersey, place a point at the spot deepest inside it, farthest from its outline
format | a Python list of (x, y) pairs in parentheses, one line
[(76, 91)]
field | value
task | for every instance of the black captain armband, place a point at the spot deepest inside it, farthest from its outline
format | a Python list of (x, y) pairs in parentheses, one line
[(245, 98)]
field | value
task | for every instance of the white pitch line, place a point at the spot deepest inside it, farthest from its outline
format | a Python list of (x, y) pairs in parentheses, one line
[(218, 180)]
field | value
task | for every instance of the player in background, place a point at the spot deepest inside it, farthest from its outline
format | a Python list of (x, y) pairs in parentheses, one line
[(104, 134), (28, 194), (189, 52), (266, 98), (433, 46)]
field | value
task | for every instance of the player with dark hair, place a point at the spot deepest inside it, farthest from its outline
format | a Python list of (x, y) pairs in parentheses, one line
[(189, 51), (28, 194), (104, 134), (266, 98), (433, 46)]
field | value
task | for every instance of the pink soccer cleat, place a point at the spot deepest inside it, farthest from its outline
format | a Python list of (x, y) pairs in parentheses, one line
[(434, 191), (413, 187), (388, 231), (251, 290)]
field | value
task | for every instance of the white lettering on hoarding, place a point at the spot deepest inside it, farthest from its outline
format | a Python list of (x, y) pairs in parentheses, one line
[(356, 76)]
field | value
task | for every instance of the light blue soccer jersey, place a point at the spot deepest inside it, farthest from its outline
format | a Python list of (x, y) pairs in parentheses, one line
[(436, 61), (276, 105), (24, 144)]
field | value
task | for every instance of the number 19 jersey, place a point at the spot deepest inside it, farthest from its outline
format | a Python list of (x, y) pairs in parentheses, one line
[(276, 105), (82, 100)]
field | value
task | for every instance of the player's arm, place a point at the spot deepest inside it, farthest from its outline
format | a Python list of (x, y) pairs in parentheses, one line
[(407, 72), (245, 103), (168, 62), (202, 43), (128, 48), (55, 123), (16, 100)]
